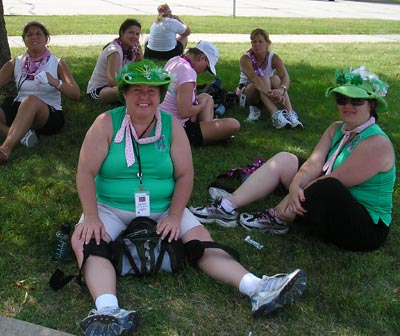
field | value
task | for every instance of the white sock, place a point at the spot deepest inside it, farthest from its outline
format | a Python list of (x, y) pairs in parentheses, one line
[(249, 284), (227, 205), (106, 301)]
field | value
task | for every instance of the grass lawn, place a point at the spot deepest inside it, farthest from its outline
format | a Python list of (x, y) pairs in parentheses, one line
[(347, 294)]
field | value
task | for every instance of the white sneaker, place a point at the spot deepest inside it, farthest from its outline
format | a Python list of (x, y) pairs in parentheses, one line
[(30, 139), (254, 113), (276, 291), (293, 119), (279, 120), (217, 193)]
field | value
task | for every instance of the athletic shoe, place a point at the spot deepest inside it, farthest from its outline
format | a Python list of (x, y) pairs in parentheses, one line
[(110, 322), (276, 291), (215, 213), (254, 113), (217, 193), (264, 221), (279, 120), (293, 119), (30, 139)]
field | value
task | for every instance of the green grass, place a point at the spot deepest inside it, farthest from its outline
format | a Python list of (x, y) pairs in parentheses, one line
[(86, 24), (348, 294)]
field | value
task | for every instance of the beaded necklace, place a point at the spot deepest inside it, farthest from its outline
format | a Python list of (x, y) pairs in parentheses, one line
[(127, 53), (254, 62)]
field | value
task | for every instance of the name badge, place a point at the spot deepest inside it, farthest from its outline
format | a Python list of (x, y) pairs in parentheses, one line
[(142, 203)]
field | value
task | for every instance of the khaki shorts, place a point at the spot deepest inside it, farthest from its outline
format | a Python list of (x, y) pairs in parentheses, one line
[(116, 220)]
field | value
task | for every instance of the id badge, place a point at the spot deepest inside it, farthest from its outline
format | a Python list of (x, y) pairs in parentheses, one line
[(242, 100), (142, 203)]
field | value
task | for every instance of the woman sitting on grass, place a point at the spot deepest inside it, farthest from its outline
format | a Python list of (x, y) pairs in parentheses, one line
[(196, 111), (168, 36), (123, 50), (264, 79), (343, 193), (40, 78), (139, 146)]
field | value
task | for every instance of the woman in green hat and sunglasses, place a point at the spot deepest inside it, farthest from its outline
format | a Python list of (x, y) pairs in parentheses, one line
[(343, 192)]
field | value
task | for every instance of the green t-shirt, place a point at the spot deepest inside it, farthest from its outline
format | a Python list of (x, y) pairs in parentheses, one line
[(116, 183), (376, 193)]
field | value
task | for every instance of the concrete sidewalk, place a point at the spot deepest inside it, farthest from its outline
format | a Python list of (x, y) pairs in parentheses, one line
[(13, 327), (93, 40)]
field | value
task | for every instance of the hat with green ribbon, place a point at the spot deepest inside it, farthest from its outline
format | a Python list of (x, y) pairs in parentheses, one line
[(360, 83), (143, 73)]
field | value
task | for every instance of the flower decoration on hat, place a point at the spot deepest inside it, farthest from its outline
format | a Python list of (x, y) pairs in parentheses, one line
[(360, 83), (361, 76), (142, 73)]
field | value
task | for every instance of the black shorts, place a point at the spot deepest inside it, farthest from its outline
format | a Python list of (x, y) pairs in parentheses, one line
[(193, 132), (54, 123), (163, 55), (95, 94)]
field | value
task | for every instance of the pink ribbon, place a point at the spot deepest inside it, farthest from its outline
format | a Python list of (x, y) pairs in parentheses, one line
[(128, 130), (327, 168)]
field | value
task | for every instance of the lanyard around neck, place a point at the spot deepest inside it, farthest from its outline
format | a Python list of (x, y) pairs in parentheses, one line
[(137, 153)]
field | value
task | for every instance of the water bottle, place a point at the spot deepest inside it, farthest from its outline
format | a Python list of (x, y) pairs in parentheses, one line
[(63, 243), (220, 110)]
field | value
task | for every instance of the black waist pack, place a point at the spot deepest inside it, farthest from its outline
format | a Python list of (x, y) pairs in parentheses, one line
[(140, 251)]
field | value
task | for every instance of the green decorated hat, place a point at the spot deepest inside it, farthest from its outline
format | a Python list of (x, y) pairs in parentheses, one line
[(142, 73), (360, 83)]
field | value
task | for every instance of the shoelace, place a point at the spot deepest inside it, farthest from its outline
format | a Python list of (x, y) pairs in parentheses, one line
[(272, 283)]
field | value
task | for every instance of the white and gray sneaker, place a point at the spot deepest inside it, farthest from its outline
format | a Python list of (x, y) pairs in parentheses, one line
[(264, 221), (217, 193), (215, 213), (293, 119), (110, 322), (30, 139), (254, 113), (278, 290), (279, 120)]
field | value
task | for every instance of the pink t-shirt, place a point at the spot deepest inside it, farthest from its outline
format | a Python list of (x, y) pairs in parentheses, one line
[(181, 72)]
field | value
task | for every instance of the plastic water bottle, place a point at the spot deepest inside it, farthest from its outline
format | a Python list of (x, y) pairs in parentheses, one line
[(220, 110), (63, 243)]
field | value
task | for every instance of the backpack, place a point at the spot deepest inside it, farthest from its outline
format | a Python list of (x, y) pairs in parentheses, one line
[(139, 250), (229, 181), (219, 94)]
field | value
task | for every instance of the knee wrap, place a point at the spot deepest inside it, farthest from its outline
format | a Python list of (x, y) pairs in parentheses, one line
[(194, 249), (101, 250)]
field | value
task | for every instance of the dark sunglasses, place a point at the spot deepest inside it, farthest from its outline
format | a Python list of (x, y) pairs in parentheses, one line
[(343, 100)]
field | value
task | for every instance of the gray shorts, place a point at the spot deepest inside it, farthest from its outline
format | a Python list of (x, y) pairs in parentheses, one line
[(116, 220)]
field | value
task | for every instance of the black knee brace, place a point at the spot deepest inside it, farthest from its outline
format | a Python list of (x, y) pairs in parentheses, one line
[(194, 250)]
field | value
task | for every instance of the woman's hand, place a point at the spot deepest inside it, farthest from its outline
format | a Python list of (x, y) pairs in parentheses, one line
[(169, 226), (294, 200), (277, 95), (137, 51), (91, 227)]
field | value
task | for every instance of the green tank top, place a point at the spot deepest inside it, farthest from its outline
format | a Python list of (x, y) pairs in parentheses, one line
[(376, 193), (116, 183)]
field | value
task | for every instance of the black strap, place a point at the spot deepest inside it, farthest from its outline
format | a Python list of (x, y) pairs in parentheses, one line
[(194, 249)]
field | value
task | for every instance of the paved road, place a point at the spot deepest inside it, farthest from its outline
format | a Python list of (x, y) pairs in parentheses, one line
[(253, 8)]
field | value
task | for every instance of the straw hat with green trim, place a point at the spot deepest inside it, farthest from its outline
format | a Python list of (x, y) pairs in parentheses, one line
[(143, 73), (359, 83)]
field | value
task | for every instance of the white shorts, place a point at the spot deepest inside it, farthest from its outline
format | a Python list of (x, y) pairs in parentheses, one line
[(116, 220)]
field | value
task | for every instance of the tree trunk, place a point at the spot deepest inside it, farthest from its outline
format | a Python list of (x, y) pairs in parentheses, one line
[(5, 55)]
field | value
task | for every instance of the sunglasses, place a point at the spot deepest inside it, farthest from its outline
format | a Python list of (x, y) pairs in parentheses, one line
[(343, 100)]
